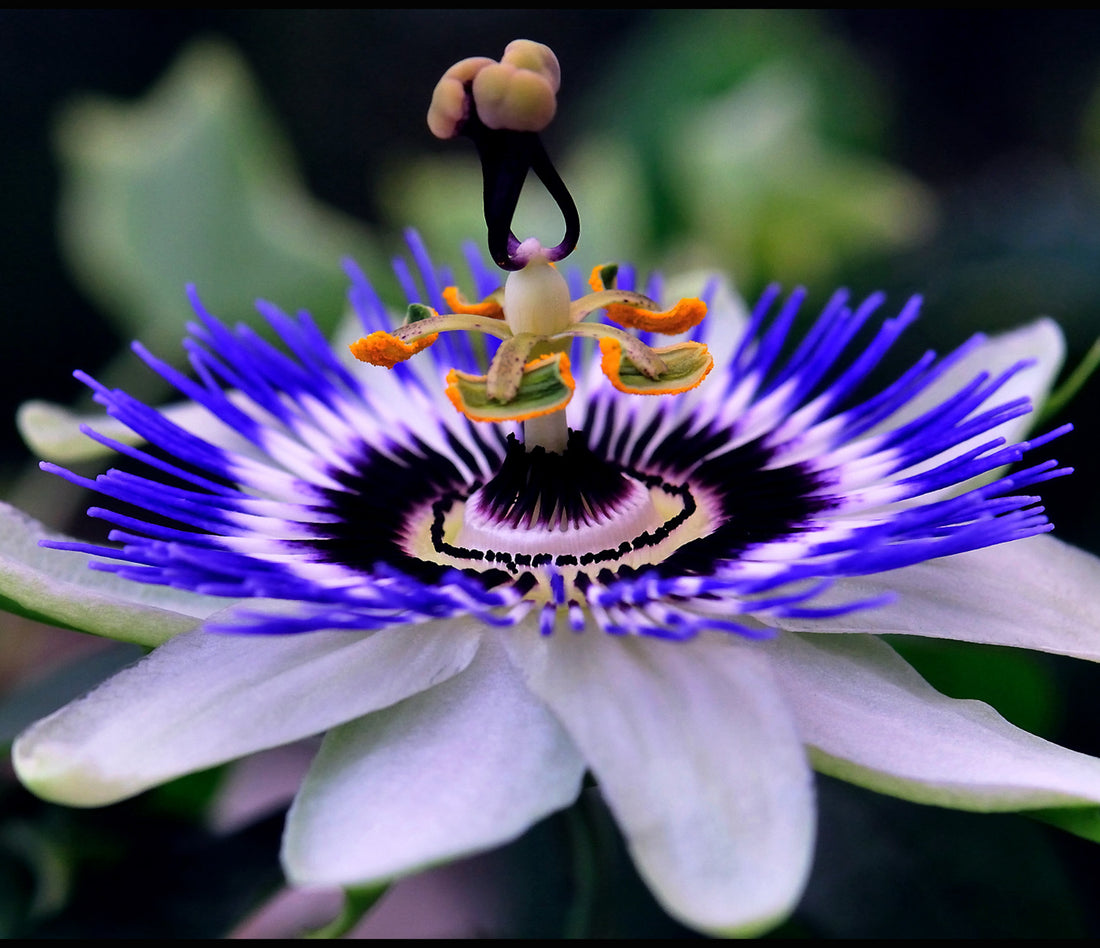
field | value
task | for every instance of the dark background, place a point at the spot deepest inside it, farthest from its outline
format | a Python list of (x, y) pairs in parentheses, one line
[(986, 109)]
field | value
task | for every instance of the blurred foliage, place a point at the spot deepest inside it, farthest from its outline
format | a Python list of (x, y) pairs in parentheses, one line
[(884, 868), (137, 869), (737, 138), (195, 183), (1021, 685)]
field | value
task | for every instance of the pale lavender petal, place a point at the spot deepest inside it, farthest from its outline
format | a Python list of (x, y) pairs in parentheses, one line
[(696, 754), (60, 589), (202, 699), (872, 720), (1038, 593), (465, 766)]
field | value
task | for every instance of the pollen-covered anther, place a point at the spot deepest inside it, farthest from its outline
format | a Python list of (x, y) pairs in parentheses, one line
[(685, 315), (546, 386), (635, 311), (385, 349), (686, 365), (490, 306)]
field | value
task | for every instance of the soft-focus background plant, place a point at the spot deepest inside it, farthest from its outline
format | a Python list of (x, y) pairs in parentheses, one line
[(953, 154)]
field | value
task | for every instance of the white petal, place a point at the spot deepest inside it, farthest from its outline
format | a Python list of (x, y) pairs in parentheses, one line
[(1038, 593), (205, 698), (58, 587), (1041, 341), (53, 432), (726, 320), (877, 723), (464, 767), (696, 754)]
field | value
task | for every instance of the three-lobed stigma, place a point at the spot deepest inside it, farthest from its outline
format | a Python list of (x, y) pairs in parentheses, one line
[(518, 93)]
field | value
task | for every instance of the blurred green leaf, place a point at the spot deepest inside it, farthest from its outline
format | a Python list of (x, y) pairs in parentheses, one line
[(682, 59), (189, 796), (46, 862), (754, 131), (138, 870), (1064, 394), (764, 191), (195, 183), (1083, 821), (1020, 685), (1090, 135), (358, 901)]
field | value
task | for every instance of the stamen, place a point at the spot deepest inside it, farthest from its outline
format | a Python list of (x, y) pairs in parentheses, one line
[(490, 306), (546, 387), (685, 315), (382, 348), (686, 365), (634, 310)]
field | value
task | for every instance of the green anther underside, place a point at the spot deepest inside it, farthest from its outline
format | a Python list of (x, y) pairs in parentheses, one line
[(685, 364), (642, 357), (543, 388), (417, 312)]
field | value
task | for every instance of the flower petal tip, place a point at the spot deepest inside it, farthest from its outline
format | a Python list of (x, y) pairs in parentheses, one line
[(53, 770)]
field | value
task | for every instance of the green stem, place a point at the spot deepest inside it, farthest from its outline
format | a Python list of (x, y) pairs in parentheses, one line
[(1064, 393), (578, 920), (357, 902), (547, 431)]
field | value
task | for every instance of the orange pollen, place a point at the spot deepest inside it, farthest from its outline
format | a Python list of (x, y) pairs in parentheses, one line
[(383, 348), (487, 307), (685, 315)]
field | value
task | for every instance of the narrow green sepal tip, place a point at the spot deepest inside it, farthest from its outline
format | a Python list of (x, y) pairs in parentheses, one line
[(358, 901), (1083, 821), (416, 312), (1067, 391)]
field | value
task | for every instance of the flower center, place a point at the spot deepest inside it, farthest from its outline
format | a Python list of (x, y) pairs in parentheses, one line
[(555, 514), (542, 502), (560, 516)]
